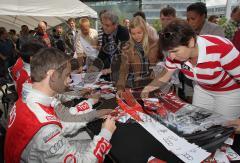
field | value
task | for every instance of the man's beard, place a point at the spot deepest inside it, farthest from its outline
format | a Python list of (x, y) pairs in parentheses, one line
[(56, 84)]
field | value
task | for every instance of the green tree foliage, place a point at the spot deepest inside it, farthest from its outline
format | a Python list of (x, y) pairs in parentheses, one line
[(157, 25), (222, 20)]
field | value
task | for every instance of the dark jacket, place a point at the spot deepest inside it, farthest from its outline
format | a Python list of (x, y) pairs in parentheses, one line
[(109, 54), (120, 38)]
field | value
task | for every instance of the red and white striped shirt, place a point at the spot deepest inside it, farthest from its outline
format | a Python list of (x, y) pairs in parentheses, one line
[(218, 64)]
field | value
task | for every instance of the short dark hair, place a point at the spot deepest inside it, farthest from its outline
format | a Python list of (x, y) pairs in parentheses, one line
[(168, 11), (101, 12), (198, 7), (24, 26), (71, 20), (212, 17), (110, 15), (177, 33), (140, 13), (13, 31), (29, 49), (235, 9), (2, 30), (45, 60), (75, 65)]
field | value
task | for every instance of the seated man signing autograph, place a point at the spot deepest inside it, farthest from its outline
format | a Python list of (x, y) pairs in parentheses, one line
[(35, 133)]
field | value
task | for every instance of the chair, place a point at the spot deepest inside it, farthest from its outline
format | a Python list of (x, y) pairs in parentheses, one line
[(9, 96)]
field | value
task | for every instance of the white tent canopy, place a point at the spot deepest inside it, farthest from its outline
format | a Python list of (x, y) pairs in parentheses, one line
[(14, 13)]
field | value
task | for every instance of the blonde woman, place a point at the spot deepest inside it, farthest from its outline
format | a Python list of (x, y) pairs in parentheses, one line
[(137, 55)]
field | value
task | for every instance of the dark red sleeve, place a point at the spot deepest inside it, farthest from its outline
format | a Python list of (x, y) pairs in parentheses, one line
[(236, 40)]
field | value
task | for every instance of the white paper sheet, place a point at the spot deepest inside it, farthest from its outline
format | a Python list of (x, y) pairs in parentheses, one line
[(186, 151)]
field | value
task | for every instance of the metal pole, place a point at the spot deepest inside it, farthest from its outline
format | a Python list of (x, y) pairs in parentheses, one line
[(140, 5), (228, 9)]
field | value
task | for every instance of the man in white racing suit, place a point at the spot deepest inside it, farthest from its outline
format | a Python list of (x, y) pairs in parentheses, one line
[(35, 132)]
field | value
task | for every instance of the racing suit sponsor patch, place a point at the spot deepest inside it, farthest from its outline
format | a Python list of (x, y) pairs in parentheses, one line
[(102, 148), (12, 116), (83, 106), (56, 147), (50, 136), (51, 118)]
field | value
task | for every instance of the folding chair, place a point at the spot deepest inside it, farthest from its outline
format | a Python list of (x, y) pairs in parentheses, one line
[(9, 96)]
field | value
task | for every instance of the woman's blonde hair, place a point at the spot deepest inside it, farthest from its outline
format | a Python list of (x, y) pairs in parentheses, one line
[(138, 21)]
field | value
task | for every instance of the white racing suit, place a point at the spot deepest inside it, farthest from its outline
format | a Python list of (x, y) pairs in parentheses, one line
[(35, 134), (72, 119)]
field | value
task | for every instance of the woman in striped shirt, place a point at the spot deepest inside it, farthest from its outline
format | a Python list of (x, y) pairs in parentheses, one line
[(212, 62)]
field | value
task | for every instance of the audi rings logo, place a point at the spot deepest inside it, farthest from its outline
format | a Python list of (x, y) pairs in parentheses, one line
[(53, 149), (12, 116)]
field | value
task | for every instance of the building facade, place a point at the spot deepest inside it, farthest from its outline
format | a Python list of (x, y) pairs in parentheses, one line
[(126, 8), (219, 10), (123, 8), (152, 7)]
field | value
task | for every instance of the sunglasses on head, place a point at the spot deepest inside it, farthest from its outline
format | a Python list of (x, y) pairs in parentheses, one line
[(167, 35)]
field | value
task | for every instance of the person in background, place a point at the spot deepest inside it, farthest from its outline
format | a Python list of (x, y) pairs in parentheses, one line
[(7, 53), (213, 19), (70, 37), (196, 17), (167, 15), (231, 26), (216, 89), (23, 74), (32, 33), (87, 40), (42, 34), (23, 38), (13, 35), (126, 23), (86, 43), (100, 30), (57, 39), (114, 36), (152, 32), (44, 140), (236, 39), (137, 55)]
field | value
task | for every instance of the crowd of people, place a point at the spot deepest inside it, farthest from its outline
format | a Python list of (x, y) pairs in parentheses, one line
[(203, 55)]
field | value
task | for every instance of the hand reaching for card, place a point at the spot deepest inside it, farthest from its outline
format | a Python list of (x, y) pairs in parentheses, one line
[(109, 124)]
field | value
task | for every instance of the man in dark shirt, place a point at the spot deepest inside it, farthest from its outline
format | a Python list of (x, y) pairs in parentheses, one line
[(114, 36), (70, 37), (57, 39), (7, 52)]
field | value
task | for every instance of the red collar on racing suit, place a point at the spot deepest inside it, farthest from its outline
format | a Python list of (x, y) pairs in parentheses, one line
[(14, 70), (23, 77)]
